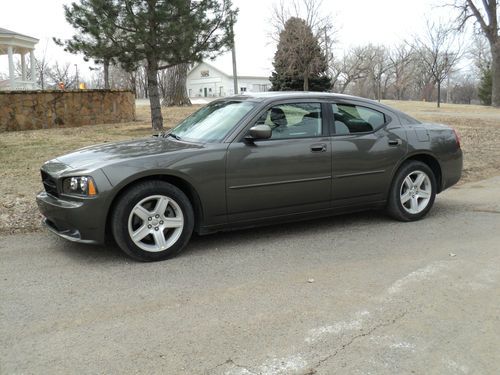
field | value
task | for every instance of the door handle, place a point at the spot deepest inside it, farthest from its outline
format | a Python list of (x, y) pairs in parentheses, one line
[(394, 142), (318, 147)]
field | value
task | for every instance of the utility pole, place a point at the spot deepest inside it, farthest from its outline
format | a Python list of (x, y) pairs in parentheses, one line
[(77, 79), (233, 51)]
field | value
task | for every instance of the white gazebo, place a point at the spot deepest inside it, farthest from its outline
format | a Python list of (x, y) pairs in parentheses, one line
[(13, 43)]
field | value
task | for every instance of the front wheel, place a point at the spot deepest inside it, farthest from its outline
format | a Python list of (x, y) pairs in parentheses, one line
[(153, 221), (412, 192)]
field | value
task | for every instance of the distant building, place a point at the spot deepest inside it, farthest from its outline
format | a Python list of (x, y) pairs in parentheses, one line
[(205, 80)]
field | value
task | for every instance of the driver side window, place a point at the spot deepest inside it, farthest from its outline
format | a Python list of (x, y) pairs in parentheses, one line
[(293, 120)]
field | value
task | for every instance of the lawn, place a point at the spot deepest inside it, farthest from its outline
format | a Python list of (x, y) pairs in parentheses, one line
[(22, 153)]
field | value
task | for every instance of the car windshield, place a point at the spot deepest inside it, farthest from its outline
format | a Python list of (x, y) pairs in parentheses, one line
[(213, 122)]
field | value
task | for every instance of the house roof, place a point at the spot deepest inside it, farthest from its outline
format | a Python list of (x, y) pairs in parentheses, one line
[(13, 33), (223, 72), (18, 42)]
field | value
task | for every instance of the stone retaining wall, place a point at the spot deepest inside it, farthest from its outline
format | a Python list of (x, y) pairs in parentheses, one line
[(25, 110)]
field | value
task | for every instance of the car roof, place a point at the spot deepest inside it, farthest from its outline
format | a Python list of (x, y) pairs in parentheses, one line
[(270, 96)]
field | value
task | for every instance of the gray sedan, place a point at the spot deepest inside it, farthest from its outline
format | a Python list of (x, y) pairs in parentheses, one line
[(245, 161)]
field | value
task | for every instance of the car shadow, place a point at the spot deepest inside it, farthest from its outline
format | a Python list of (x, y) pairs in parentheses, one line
[(85, 253), (202, 245), (228, 241)]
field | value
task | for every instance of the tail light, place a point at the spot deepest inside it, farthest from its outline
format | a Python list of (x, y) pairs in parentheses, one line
[(457, 137)]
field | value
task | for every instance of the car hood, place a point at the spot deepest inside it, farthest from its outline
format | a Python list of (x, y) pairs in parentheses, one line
[(99, 156)]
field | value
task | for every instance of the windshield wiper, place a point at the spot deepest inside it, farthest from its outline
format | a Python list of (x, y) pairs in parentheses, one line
[(173, 136)]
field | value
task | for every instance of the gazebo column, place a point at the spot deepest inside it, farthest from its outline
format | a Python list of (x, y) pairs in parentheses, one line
[(23, 66), (32, 67), (10, 51)]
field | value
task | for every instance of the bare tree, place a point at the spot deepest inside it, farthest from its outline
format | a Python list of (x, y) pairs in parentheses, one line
[(62, 74), (464, 89), (480, 53), (377, 65), (487, 17), (42, 66), (311, 11), (438, 53), (351, 68), (402, 58)]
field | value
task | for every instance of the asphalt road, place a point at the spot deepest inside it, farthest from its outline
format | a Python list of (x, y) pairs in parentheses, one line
[(354, 294)]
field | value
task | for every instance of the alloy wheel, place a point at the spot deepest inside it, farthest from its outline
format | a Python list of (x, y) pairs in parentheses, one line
[(415, 192), (155, 223)]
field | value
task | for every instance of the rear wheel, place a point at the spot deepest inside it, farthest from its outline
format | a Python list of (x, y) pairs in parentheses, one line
[(153, 221), (412, 192)]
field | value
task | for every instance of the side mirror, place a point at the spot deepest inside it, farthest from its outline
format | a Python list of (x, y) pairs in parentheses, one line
[(259, 132)]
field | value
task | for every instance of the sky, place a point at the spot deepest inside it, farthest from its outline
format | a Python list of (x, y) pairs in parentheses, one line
[(357, 22)]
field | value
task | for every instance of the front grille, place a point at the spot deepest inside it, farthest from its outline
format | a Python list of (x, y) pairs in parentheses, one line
[(49, 184)]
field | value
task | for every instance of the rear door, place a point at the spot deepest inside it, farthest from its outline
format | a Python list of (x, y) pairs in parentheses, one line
[(367, 143), (286, 174)]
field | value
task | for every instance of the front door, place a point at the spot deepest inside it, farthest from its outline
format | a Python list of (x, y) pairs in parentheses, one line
[(288, 173), (366, 145), (205, 93)]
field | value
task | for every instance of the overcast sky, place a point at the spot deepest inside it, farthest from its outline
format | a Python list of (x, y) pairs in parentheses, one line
[(358, 22)]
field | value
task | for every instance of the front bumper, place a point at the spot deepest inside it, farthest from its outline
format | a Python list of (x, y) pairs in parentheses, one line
[(80, 221)]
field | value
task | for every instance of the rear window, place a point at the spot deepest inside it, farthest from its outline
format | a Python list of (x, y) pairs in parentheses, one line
[(351, 119)]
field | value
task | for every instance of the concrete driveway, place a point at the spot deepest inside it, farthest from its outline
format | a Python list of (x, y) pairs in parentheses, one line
[(350, 294)]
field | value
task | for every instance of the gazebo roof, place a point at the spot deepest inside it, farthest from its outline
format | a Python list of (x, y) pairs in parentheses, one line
[(19, 42)]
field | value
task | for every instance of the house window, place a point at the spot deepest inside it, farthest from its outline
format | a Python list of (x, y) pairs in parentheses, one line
[(243, 89), (205, 73)]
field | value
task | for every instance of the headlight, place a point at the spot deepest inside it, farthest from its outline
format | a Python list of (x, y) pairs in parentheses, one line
[(81, 185)]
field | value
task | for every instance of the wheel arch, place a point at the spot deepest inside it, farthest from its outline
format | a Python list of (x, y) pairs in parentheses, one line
[(430, 160), (183, 184)]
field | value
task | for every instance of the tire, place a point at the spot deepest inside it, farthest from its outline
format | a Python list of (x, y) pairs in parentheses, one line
[(160, 216), (412, 192)]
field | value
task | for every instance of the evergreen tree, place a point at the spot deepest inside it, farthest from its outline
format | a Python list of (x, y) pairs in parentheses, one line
[(163, 34), (299, 63), (91, 39), (486, 87)]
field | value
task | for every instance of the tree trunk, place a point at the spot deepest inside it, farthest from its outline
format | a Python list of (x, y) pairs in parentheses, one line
[(133, 84), (154, 95), (439, 94), (176, 91), (306, 82), (495, 74), (106, 74)]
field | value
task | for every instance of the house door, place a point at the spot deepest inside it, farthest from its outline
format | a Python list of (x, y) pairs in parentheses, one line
[(205, 92)]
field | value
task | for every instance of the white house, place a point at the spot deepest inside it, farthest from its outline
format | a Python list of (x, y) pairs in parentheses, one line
[(205, 80)]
